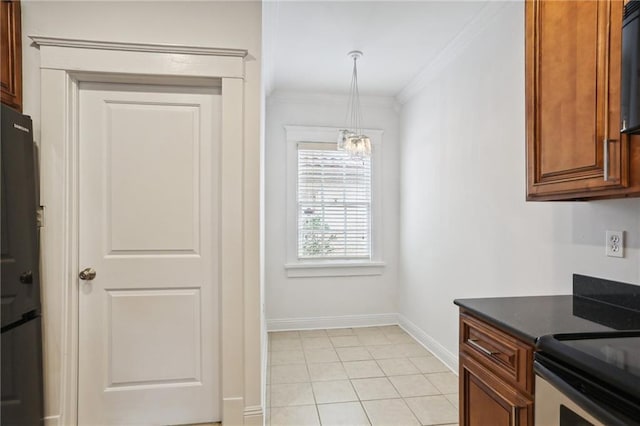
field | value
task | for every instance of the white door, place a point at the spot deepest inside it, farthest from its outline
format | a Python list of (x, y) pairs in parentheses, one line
[(148, 321)]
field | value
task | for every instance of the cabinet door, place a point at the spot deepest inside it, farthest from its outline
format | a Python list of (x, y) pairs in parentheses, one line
[(573, 55), (486, 400), (10, 54)]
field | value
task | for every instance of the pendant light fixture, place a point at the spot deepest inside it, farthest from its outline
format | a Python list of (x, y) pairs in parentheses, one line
[(351, 139)]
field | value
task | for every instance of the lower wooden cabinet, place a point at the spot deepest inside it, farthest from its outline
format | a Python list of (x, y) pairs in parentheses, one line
[(496, 375), (487, 400)]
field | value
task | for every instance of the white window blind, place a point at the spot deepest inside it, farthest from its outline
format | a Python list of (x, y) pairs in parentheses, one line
[(334, 203)]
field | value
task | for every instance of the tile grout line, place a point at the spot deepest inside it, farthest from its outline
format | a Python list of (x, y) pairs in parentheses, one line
[(313, 393), (398, 391), (350, 380)]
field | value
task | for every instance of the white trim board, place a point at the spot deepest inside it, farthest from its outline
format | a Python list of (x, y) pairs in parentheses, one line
[(134, 58), (138, 47), (432, 345), (51, 421), (342, 321)]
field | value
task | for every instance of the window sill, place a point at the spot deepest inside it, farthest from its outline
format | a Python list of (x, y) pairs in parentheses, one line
[(333, 269)]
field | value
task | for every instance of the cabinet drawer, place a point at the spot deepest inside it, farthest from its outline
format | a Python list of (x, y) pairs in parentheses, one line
[(504, 355)]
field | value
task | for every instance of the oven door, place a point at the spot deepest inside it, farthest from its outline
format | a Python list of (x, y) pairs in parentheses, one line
[(554, 408), (565, 396)]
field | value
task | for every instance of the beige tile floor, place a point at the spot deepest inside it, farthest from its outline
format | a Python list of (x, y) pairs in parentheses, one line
[(360, 376)]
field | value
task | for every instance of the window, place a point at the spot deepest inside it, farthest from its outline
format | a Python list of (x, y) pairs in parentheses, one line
[(333, 206), (334, 203)]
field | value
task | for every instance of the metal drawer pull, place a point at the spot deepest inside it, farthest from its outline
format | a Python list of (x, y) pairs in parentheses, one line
[(478, 346)]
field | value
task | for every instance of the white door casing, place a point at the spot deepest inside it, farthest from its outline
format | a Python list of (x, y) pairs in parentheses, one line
[(64, 65), (148, 203)]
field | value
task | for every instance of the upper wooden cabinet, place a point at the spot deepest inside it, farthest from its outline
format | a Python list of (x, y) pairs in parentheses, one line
[(11, 55), (573, 60)]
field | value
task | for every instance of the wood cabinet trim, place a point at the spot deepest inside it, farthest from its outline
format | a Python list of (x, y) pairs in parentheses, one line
[(11, 90)]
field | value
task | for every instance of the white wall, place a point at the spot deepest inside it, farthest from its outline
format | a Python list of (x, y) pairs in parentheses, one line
[(305, 298), (202, 23), (466, 230)]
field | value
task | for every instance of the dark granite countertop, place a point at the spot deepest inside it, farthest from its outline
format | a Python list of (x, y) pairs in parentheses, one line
[(535, 316)]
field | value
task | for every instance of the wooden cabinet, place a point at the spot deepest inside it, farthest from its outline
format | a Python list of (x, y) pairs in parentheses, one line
[(486, 400), (573, 72), (496, 376), (11, 54)]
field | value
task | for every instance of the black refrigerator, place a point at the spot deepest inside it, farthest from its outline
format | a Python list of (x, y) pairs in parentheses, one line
[(22, 389)]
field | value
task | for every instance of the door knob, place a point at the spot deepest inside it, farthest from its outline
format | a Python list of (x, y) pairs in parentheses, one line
[(87, 274)]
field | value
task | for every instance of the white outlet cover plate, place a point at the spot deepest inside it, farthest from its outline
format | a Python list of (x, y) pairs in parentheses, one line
[(614, 243)]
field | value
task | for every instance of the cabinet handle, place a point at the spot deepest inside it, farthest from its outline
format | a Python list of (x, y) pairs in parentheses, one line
[(478, 346), (606, 159), (606, 143), (514, 416)]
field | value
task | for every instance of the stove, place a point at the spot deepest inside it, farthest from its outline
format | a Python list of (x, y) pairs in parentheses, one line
[(593, 378), (599, 371)]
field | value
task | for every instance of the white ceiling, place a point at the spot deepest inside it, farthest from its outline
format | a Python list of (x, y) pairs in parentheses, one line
[(306, 42)]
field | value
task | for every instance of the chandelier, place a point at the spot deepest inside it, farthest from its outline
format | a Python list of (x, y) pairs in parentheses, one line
[(351, 139)]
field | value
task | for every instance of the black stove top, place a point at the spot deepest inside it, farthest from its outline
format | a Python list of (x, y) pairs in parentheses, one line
[(612, 358), (602, 366), (619, 351)]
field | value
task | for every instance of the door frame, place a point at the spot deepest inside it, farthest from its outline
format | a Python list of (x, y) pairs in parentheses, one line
[(65, 63)]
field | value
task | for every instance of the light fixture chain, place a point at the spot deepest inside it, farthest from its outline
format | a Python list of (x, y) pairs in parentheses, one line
[(352, 139), (356, 111)]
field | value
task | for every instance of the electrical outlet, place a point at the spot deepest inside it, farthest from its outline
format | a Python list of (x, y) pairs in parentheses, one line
[(615, 243)]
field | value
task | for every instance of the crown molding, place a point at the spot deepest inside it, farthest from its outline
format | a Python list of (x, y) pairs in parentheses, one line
[(452, 50), (137, 47), (314, 98)]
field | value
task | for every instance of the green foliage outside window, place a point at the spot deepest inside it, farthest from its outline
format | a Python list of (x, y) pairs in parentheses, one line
[(317, 237)]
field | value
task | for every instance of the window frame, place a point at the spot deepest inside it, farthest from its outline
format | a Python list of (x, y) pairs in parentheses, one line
[(296, 267)]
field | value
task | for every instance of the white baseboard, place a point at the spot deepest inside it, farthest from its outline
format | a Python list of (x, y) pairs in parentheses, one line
[(233, 411), (253, 416), (345, 321), (265, 364), (442, 353), (52, 420), (342, 321)]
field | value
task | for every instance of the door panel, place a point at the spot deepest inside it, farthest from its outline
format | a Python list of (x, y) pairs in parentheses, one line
[(149, 227), (487, 400), (569, 105), (170, 350), (574, 147), (131, 128)]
